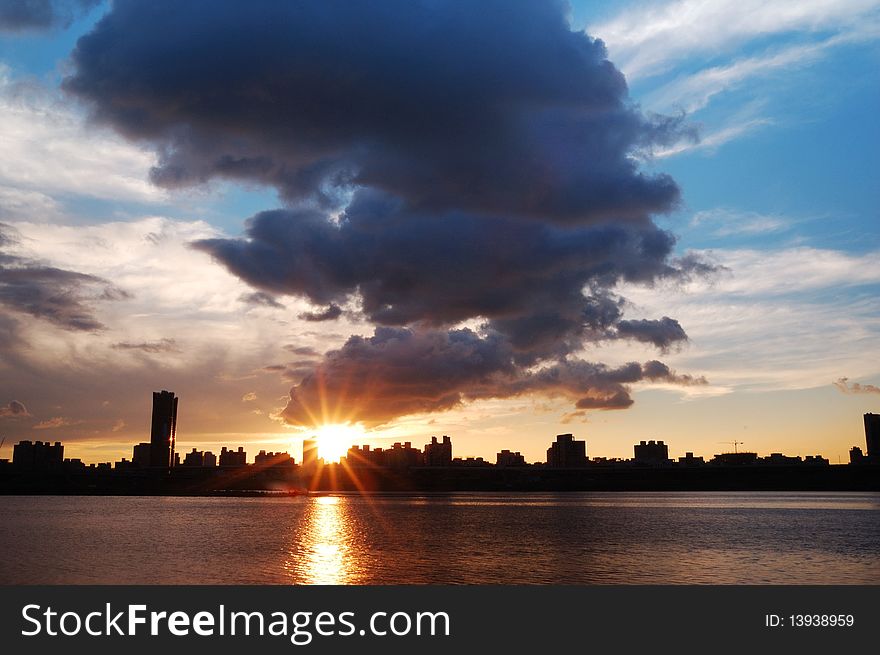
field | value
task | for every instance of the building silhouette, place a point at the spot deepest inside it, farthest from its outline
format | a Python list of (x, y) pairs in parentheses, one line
[(194, 458), (198, 458), (272, 460), (310, 454), (872, 436), (470, 461), (363, 456), (403, 455), (233, 457), (690, 460), (438, 453), (37, 456), (735, 459), (141, 454), (856, 456), (651, 453), (163, 429), (507, 458), (567, 452)]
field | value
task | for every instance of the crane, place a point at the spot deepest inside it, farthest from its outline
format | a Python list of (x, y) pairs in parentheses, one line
[(735, 444)]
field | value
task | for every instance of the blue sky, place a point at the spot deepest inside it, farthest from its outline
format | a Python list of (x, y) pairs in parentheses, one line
[(780, 189)]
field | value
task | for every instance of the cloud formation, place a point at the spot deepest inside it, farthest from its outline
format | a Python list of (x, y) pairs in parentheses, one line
[(647, 40), (165, 345), (491, 107), (442, 163), (260, 299), (28, 15), (661, 333), (14, 409), (373, 380), (56, 422), (332, 312), (527, 278), (59, 296), (845, 386)]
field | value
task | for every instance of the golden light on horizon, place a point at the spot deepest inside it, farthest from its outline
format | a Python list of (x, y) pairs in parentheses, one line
[(334, 440)]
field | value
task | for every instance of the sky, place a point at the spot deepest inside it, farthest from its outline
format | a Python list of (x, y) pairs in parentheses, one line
[(499, 221)]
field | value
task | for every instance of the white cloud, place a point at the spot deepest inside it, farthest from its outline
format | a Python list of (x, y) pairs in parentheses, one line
[(25, 204), (791, 270), (648, 40), (728, 222), (694, 91), (48, 150), (183, 328), (715, 139), (791, 318)]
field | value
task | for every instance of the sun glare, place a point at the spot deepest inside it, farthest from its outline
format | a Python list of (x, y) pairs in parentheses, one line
[(335, 440)]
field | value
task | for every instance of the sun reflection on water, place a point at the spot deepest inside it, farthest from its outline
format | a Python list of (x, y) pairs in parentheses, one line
[(324, 551)]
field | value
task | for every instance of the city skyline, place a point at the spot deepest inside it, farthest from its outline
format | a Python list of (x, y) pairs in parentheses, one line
[(640, 237), (335, 447)]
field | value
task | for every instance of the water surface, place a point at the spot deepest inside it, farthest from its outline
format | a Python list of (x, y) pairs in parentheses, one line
[(467, 538)]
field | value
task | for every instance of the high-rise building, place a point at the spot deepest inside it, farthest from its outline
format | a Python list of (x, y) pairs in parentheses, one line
[(164, 429), (438, 453), (310, 453), (872, 436), (567, 452)]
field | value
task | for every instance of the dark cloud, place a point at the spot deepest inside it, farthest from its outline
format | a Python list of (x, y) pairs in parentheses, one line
[(14, 409), (441, 162), (331, 313), (28, 15), (844, 385), (56, 295), (496, 106), (305, 351), (373, 379), (260, 299), (152, 347), (526, 277), (59, 296), (51, 294), (659, 372), (662, 333)]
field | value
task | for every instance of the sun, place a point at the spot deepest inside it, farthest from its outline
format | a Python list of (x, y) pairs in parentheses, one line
[(335, 440)]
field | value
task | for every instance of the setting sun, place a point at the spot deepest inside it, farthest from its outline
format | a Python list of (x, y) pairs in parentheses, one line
[(335, 440)]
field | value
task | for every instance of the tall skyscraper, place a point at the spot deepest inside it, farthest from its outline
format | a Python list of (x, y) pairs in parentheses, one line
[(310, 453), (164, 429), (872, 435)]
